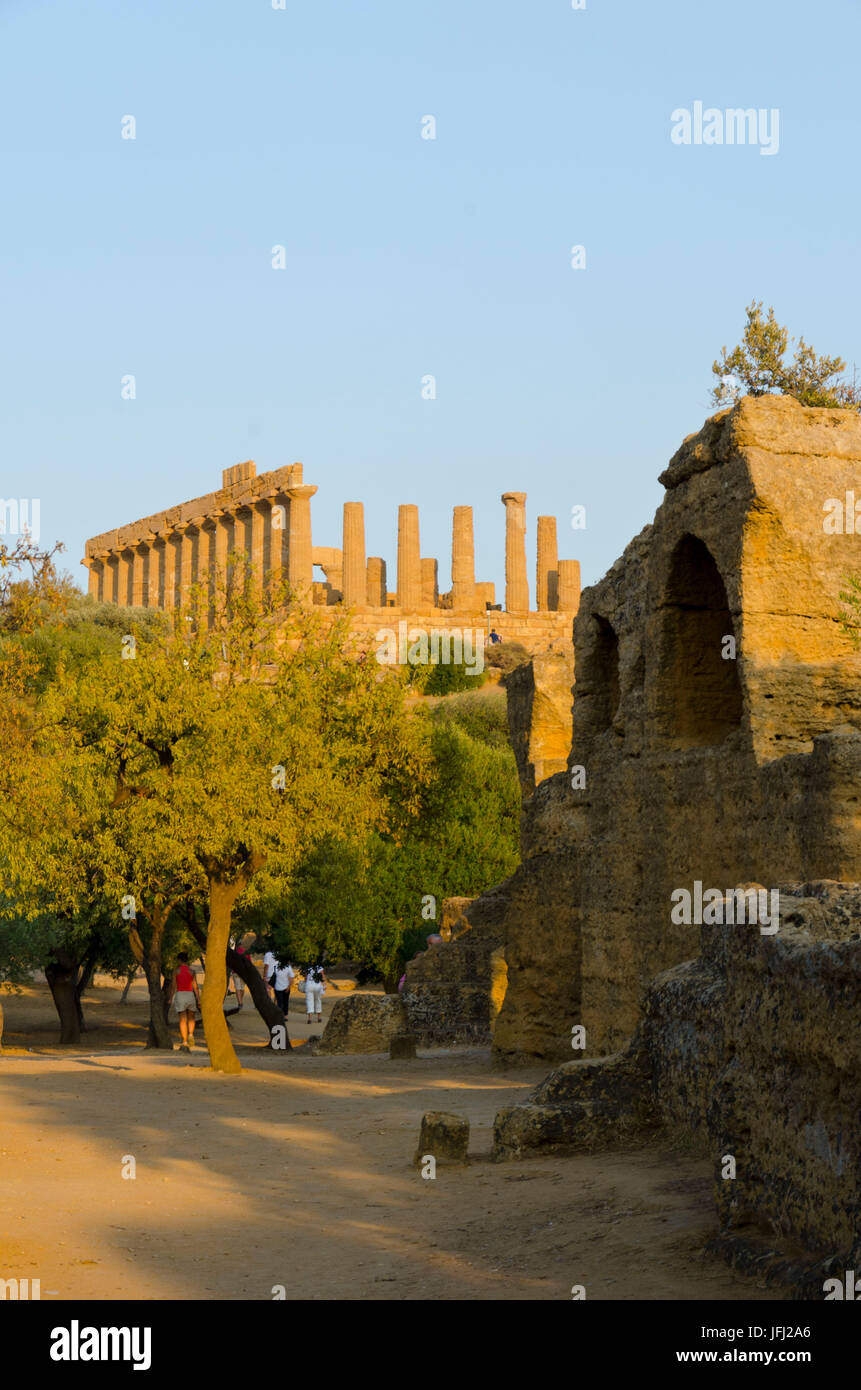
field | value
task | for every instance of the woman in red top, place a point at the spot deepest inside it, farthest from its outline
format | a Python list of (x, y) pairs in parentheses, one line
[(185, 999)]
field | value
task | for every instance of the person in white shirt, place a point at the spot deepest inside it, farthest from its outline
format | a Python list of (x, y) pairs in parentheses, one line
[(315, 983), (270, 965), (284, 975)]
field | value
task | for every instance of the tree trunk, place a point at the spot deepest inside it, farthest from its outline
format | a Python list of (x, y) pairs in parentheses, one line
[(149, 958), (158, 1033), (86, 976), (62, 976), (222, 1056), (262, 1000), (130, 978)]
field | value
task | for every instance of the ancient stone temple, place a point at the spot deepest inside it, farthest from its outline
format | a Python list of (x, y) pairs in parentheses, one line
[(153, 562)]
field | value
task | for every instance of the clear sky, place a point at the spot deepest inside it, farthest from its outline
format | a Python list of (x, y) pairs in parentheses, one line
[(301, 127)]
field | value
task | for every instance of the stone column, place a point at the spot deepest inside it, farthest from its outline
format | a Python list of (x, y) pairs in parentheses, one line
[(546, 575), (376, 582), (300, 565), (430, 583), (139, 550), (258, 562), (94, 570), (462, 559), (354, 582), (186, 562), (276, 533), (223, 539), (569, 586), (124, 572), (154, 583), (172, 544), (516, 583), (409, 558), (112, 577)]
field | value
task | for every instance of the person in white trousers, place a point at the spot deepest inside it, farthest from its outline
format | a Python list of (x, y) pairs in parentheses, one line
[(315, 983)]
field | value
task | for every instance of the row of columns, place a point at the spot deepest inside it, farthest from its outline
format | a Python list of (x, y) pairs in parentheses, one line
[(158, 570)]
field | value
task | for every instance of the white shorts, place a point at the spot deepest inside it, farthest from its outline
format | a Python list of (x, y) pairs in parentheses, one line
[(184, 1000), (313, 998)]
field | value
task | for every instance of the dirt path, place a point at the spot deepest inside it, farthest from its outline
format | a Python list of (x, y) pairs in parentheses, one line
[(298, 1173)]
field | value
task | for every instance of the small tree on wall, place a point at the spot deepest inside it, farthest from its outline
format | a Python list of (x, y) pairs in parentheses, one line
[(758, 367)]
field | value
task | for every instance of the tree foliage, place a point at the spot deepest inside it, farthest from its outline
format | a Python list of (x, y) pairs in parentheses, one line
[(201, 750), (758, 367), (368, 900)]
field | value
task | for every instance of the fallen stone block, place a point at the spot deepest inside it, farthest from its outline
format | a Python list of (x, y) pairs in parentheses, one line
[(443, 1137), (363, 1023)]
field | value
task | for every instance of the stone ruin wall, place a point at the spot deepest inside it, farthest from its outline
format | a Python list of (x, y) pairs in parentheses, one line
[(727, 772), (697, 768), (152, 563)]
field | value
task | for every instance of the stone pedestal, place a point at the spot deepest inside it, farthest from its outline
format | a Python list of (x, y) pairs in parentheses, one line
[(462, 559), (568, 600), (443, 1137), (516, 583), (409, 559), (547, 577), (355, 587)]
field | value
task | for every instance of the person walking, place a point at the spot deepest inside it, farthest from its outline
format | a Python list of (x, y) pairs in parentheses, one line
[(315, 983), (238, 982), (284, 976), (270, 965), (186, 998)]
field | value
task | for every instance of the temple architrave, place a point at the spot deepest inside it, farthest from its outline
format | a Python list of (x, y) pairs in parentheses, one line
[(153, 562)]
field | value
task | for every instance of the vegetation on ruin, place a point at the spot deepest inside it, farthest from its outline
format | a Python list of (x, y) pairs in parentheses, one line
[(758, 366)]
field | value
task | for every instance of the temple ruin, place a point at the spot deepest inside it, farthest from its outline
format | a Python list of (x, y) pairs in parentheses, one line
[(152, 563)]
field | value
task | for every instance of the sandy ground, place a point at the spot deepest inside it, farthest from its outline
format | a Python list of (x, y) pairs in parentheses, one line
[(298, 1173)]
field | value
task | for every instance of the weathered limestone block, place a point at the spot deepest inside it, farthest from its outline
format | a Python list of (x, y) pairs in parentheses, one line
[(582, 1106), (443, 1137), (363, 1023), (453, 919), (453, 991), (540, 698)]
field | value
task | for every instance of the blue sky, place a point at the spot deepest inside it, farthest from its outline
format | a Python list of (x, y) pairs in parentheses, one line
[(405, 257)]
